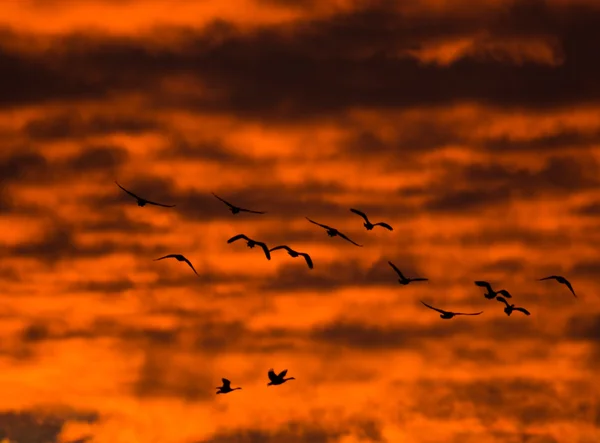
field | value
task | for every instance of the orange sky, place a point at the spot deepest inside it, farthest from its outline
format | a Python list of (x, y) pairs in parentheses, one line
[(472, 129)]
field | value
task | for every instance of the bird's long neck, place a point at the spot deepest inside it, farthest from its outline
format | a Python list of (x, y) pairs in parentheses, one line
[(235, 389), (286, 379)]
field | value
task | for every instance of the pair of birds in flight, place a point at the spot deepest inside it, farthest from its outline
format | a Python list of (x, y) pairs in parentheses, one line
[(275, 379)]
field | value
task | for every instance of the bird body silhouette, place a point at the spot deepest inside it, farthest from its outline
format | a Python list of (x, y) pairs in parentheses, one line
[(251, 244), (226, 388), (561, 280), (278, 379), (403, 280), (510, 308), (447, 315), (142, 201), (367, 224), (178, 257), (236, 209), (294, 254), (332, 232), (491, 294)]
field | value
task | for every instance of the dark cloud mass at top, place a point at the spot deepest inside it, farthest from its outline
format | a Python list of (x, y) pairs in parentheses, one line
[(323, 66)]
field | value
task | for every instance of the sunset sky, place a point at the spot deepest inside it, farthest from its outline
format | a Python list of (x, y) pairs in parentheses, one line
[(473, 128)]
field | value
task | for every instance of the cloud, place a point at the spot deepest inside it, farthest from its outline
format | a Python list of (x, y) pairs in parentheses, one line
[(214, 151), (584, 327), (589, 209), (295, 276), (32, 166), (291, 71), (524, 401), (161, 376), (468, 200), (301, 432), (28, 426), (73, 125), (60, 242), (364, 336), (117, 286)]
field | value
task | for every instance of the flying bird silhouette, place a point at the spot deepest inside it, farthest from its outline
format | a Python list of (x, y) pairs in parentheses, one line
[(491, 294), (251, 244), (226, 387), (236, 209), (332, 232), (562, 280), (178, 257), (447, 315), (142, 201), (294, 254), (278, 379), (510, 308), (367, 224), (403, 280)]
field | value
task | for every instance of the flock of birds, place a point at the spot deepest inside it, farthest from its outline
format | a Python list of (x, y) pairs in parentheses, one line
[(278, 379)]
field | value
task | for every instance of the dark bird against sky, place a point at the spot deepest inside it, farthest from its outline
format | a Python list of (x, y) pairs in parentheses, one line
[(562, 280), (178, 257), (295, 254), (236, 209), (142, 201), (404, 280), (370, 225), (278, 379), (332, 232), (491, 294), (510, 308), (226, 387), (251, 244), (446, 315)]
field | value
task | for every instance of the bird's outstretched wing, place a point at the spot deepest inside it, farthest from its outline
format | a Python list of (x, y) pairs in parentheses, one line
[(226, 383), (190, 265), (346, 238), (272, 375), (287, 248), (159, 204), (143, 199), (523, 310), (505, 293), (129, 192), (265, 249), (397, 270), (309, 261), (435, 309), (570, 287), (167, 256), (462, 313), (484, 284), (250, 210), (319, 224), (362, 214), (224, 201), (502, 300), (282, 373), (384, 225), (552, 277), (237, 237)]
